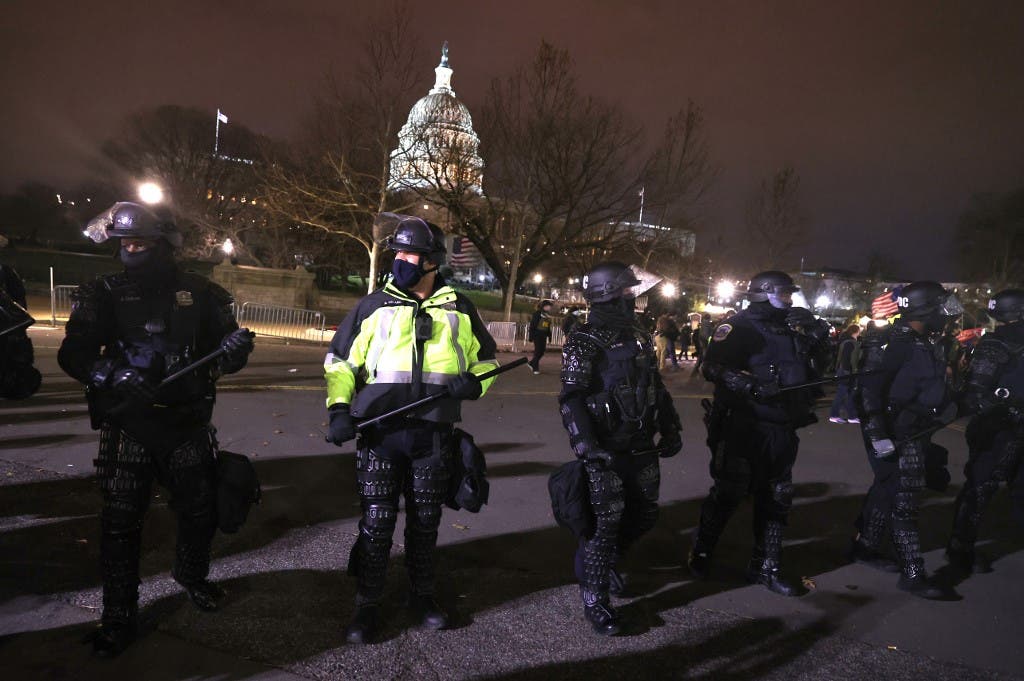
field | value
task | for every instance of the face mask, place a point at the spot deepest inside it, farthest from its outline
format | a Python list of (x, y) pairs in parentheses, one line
[(406, 274)]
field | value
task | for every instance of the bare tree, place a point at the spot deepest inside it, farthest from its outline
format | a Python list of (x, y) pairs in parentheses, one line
[(213, 196), (557, 172), (774, 221), (336, 177)]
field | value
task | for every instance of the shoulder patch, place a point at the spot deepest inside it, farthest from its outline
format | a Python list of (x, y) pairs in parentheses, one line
[(721, 332)]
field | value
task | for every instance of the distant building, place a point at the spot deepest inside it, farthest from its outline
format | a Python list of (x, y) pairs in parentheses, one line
[(437, 147)]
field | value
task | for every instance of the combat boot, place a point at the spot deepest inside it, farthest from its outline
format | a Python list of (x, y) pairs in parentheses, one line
[(111, 638), (914, 580), (363, 627), (767, 573), (601, 615), (863, 554), (427, 612), (205, 595)]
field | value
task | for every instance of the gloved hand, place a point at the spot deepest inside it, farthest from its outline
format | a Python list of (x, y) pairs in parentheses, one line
[(800, 316), (670, 444), (237, 345), (765, 390), (591, 453), (133, 386), (465, 386), (883, 447), (342, 428)]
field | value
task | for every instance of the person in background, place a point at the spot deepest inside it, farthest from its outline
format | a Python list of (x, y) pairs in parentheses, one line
[(539, 333), (843, 401)]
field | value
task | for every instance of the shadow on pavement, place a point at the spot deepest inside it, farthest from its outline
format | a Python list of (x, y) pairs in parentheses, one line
[(60, 555)]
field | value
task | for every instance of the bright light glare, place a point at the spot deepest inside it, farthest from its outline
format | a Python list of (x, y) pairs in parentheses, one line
[(228, 247), (725, 290), (150, 192), (668, 290), (864, 321), (537, 278), (822, 301)]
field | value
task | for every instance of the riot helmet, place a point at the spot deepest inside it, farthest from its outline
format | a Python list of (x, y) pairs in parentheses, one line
[(774, 287), (132, 221), (927, 301), (609, 281), (1007, 306), (416, 235)]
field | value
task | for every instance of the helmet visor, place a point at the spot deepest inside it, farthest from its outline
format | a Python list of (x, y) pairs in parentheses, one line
[(98, 226), (951, 306)]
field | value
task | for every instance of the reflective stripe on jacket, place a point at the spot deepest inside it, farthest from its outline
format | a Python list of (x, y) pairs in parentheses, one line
[(376, 365)]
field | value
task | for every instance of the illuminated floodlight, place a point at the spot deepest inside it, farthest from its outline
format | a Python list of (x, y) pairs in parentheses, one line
[(150, 192), (537, 278), (822, 301), (668, 290), (864, 321), (227, 247), (725, 290)]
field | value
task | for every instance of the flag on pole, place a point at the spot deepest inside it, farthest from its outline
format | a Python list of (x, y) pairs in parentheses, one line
[(221, 117), (641, 193), (464, 254)]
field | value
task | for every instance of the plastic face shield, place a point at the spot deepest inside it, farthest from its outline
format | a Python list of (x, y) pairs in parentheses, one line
[(951, 306), (98, 226)]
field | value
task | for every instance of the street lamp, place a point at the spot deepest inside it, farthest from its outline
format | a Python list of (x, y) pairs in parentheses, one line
[(537, 278), (668, 290), (725, 290), (150, 192)]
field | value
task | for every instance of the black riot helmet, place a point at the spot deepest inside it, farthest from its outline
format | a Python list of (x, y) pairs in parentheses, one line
[(608, 281), (927, 300), (416, 235), (133, 221), (770, 287), (1007, 306)]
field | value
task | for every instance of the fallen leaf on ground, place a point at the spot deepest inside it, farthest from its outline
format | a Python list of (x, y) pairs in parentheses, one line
[(277, 431), (808, 583), (457, 526)]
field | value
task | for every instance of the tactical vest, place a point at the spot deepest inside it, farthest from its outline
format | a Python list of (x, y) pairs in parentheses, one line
[(783, 357), (920, 385), (157, 332), (624, 409), (1010, 381)]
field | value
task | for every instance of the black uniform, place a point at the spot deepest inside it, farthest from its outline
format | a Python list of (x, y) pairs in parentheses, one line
[(126, 328), (18, 378), (752, 428), (613, 402), (896, 404), (995, 435)]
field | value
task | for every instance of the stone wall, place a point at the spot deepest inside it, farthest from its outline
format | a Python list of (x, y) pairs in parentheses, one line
[(285, 288)]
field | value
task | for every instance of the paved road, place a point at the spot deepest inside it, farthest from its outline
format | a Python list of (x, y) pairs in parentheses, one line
[(506, 571)]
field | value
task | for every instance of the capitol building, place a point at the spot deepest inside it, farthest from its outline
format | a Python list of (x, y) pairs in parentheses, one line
[(437, 147)]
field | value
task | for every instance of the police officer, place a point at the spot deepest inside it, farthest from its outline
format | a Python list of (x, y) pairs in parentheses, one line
[(769, 346), (898, 403), (613, 402), (995, 434), (127, 332), (412, 338), (18, 378)]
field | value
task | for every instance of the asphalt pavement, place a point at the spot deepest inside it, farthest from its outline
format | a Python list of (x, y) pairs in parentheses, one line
[(505, 572)]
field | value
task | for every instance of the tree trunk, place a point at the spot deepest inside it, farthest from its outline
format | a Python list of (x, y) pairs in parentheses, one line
[(374, 254)]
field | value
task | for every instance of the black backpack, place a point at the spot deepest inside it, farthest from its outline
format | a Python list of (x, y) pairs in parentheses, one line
[(238, 488)]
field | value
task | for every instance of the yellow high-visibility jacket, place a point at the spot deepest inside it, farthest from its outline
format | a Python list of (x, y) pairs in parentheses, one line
[(375, 363)]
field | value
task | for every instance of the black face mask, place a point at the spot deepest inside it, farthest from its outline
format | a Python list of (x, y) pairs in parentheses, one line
[(616, 313), (406, 274), (148, 267)]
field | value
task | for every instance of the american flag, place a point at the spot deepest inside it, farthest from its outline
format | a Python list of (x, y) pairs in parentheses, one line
[(884, 306), (464, 254)]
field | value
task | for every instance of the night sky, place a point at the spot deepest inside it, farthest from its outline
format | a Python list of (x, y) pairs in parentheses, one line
[(893, 113)]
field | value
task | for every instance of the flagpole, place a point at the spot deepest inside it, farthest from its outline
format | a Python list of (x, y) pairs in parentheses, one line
[(216, 135), (641, 207)]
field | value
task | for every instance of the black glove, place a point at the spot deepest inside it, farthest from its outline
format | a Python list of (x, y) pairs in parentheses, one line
[(592, 453), (670, 444), (237, 345), (465, 386), (800, 316), (132, 385), (765, 390), (342, 428)]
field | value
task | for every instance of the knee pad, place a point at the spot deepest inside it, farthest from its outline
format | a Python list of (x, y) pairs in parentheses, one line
[(378, 522), (377, 477), (649, 482)]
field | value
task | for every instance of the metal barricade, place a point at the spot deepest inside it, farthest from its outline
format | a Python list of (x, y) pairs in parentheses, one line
[(282, 322), (503, 333), (60, 303)]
